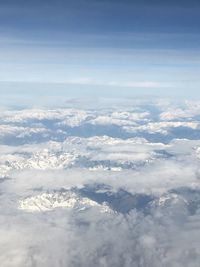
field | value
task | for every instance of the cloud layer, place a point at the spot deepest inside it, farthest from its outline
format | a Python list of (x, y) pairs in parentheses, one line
[(82, 188)]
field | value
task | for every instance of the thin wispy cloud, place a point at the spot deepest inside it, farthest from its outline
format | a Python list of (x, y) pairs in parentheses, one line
[(135, 42)]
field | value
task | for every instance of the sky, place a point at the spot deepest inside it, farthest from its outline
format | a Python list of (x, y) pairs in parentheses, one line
[(100, 47)]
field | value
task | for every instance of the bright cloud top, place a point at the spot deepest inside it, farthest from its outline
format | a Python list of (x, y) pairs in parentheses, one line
[(83, 175)]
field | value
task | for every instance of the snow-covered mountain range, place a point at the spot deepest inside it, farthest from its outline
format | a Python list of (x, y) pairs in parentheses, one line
[(123, 180)]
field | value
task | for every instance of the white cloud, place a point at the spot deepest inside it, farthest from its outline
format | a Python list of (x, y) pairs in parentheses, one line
[(190, 109), (162, 127), (70, 229)]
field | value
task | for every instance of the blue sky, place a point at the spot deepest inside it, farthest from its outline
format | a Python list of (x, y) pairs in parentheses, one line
[(148, 47)]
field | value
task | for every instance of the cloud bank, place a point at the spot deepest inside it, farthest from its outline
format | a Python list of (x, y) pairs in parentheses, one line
[(81, 188)]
